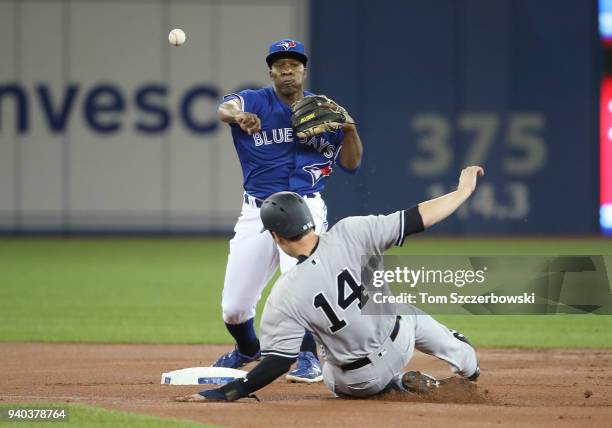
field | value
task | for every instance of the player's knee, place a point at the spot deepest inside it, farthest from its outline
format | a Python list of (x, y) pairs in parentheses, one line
[(236, 313), (464, 357)]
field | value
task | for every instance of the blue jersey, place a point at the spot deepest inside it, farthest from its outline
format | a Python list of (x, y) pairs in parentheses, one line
[(271, 160)]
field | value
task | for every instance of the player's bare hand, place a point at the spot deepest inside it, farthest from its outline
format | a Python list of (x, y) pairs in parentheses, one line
[(215, 394), (192, 398), (469, 177), (248, 122)]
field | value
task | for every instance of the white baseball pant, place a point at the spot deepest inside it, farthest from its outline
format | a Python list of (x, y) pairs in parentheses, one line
[(254, 257), (417, 330)]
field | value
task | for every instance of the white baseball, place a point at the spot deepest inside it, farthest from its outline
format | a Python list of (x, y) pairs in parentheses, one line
[(177, 37)]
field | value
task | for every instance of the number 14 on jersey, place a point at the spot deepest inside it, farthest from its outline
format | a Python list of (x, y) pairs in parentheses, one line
[(357, 293)]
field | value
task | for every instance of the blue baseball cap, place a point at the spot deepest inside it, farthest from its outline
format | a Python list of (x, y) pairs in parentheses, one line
[(286, 48)]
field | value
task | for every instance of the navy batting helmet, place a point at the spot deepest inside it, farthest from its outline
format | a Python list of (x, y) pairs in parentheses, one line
[(287, 214)]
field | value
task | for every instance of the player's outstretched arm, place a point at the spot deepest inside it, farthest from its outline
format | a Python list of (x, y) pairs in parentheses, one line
[(436, 210), (268, 370), (231, 112)]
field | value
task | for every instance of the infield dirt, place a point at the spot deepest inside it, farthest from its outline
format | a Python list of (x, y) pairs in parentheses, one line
[(518, 387)]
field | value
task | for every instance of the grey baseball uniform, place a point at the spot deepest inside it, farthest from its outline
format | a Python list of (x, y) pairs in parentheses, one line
[(323, 294)]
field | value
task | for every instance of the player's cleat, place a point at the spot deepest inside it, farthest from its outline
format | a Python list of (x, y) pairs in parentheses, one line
[(235, 360), (461, 337), (419, 383), (308, 369), (424, 384)]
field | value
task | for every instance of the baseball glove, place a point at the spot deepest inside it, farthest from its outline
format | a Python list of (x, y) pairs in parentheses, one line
[(316, 114)]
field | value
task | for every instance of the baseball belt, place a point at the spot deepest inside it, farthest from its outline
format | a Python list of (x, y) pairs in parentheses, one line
[(365, 360), (249, 200)]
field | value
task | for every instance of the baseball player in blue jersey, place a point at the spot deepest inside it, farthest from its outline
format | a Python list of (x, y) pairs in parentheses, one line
[(272, 160)]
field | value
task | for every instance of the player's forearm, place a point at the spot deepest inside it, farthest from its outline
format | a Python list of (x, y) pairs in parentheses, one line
[(436, 210), (352, 149), (268, 370)]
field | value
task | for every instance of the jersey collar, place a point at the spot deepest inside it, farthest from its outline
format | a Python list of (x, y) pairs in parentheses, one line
[(302, 257)]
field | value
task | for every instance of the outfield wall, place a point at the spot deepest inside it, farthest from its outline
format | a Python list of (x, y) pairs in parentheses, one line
[(439, 84), (105, 126)]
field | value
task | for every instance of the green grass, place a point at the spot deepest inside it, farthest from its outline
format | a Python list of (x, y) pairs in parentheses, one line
[(168, 291), (91, 417), (148, 291), (544, 331)]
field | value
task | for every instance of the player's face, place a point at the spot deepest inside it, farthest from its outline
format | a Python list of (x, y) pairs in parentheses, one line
[(288, 75)]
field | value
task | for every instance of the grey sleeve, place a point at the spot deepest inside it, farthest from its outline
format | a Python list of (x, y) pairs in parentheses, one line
[(375, 234), (280, 335)]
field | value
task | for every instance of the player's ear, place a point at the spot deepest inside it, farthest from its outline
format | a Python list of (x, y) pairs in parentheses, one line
[(270, 73), (305, 72)]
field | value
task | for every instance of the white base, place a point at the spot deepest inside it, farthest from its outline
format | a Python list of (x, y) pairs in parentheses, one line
[(201, 376)]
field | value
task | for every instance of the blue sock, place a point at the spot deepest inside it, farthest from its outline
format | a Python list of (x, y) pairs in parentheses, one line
[(245, 337), (309, 344)]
